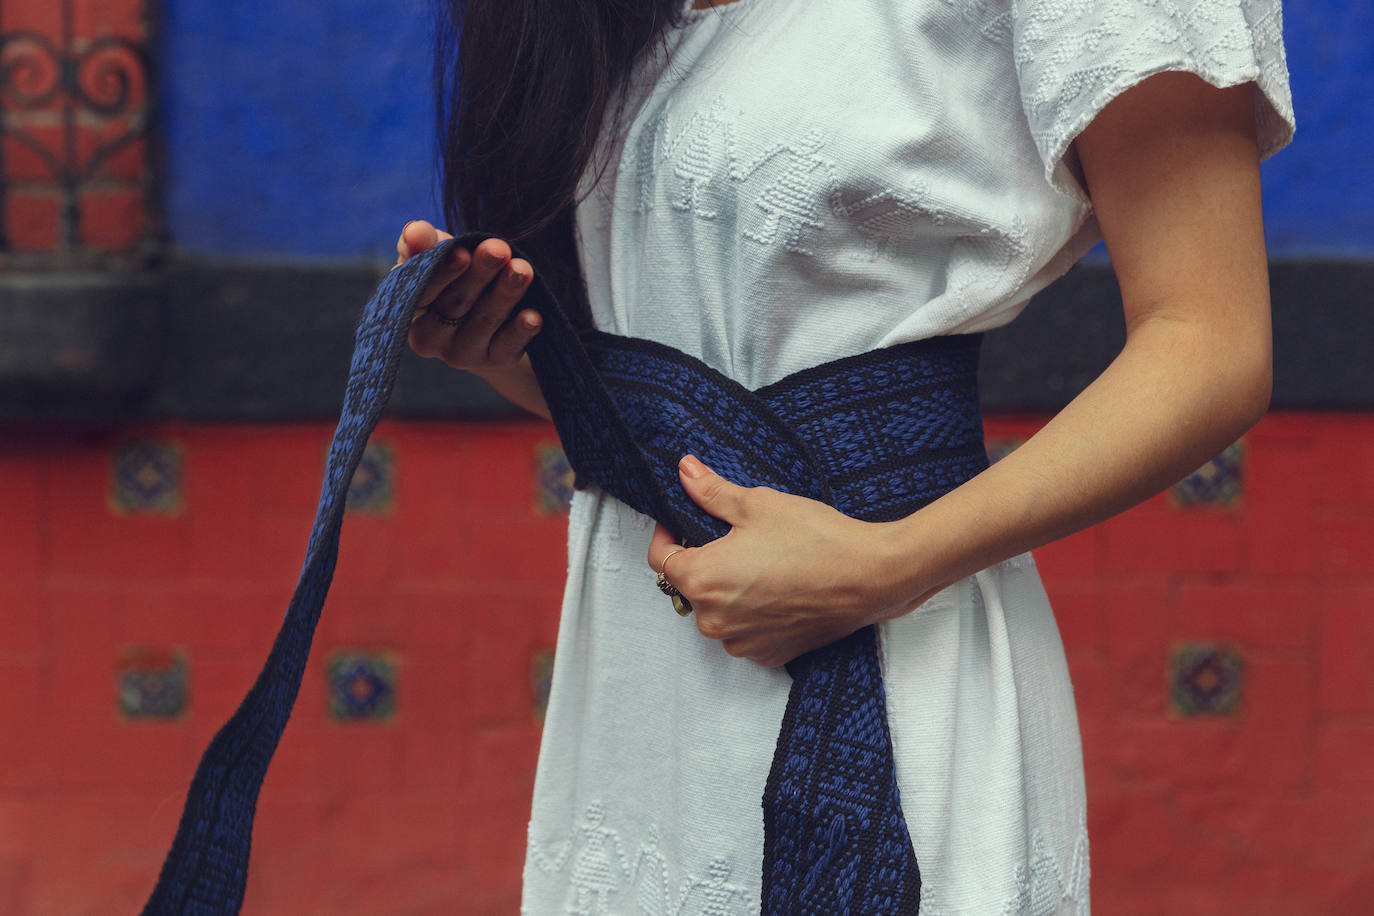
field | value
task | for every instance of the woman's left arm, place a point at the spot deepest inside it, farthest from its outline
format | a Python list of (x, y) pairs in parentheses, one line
[(1173, 171)]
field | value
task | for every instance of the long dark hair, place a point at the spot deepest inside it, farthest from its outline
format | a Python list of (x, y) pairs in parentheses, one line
[(522, 88)]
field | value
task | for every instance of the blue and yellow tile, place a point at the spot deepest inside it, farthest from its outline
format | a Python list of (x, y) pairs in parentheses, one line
[(372, 490), (146, 478), (153, 683), (362, 685), (1218, 483), (541, 680), (553, 486), (1205, 679)]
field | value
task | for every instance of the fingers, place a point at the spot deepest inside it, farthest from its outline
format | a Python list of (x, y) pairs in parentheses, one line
[(428, 336), (715, 623), (677, 564), (456, 297), (508, 344), (442, 279), (710, 491), (484, 296), (489, 332), (669, 557), (660, 546), (467, 318), (442, 284), (416, 236), (745, 648)]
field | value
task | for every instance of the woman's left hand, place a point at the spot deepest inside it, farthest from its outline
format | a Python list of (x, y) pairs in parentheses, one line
[(792, 575)]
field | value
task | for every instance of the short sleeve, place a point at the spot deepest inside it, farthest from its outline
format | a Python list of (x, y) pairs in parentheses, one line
[(1075, 56)]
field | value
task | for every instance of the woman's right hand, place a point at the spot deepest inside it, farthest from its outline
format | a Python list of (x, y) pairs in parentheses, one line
[(466, 316)]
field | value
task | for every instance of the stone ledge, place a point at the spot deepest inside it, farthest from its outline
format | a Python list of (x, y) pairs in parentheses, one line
[(89, 342), (210, 340)]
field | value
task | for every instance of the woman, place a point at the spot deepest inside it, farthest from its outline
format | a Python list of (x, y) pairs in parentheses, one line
[(773, 184)]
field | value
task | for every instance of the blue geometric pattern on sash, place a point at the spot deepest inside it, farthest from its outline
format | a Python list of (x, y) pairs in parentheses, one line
[(206, 870), (877, 436)]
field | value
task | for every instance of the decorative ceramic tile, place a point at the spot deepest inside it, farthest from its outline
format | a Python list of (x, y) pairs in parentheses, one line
[(1205, 679), (1000, 448), (362, 685), (553, 479), (541, 679), (153, 683), (146, 478), (1216, 483), (373, 488)]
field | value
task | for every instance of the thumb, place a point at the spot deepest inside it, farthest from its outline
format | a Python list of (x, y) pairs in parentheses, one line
[(714, 493), (416, 236)]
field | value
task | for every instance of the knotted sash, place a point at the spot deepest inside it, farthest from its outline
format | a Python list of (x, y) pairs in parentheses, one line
[(877, 436)]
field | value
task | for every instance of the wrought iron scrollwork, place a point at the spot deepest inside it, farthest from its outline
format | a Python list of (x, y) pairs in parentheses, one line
[(97, 91), (30, 69)]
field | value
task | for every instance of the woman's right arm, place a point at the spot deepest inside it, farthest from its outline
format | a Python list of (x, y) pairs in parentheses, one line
[(476, 292)]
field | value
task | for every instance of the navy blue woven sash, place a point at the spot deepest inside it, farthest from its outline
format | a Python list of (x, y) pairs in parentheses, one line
[(877, 436)]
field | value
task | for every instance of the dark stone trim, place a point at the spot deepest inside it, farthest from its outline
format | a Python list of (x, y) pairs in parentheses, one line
[(80, 343), (205, 340), (1323, 336), (1064, 339)]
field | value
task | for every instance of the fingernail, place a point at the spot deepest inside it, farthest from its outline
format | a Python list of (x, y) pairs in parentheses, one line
[(407, 226), (518, 279), (492, 260), (530, 321), (693, 468)]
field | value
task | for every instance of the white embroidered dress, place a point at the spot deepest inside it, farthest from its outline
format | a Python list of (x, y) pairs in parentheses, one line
[(804, 180)]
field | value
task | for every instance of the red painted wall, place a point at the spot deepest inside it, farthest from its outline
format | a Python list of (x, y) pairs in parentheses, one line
[(1221, 651), (452, 570)]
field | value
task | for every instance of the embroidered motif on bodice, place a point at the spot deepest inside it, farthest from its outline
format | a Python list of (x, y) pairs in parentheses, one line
[(789, 193)]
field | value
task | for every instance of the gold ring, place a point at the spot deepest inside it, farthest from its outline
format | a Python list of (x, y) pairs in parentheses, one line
[(680, 602), (664, 565)]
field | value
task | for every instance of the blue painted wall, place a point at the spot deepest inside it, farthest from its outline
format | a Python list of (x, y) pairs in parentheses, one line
[(1318, 198), (297, 129), (304, 129)]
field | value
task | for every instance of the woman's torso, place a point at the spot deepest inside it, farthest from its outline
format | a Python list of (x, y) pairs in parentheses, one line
[(801, 181)]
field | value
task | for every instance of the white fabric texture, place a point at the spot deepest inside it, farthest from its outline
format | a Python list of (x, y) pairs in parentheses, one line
[(792, 182)]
